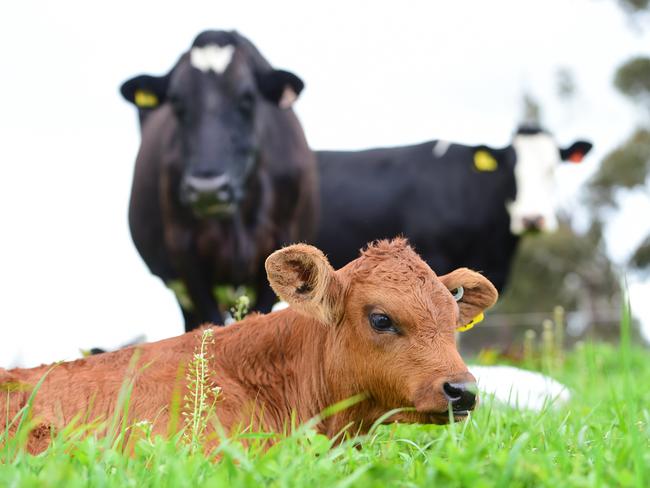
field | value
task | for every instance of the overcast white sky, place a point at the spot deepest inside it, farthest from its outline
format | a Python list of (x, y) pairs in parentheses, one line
[(377, 73)]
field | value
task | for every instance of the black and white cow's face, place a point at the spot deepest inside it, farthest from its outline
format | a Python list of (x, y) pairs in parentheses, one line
[(218, 94), (537, 158)]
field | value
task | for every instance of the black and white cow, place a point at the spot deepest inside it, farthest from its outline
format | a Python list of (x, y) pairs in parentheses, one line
[(224, 175), (458, 205)]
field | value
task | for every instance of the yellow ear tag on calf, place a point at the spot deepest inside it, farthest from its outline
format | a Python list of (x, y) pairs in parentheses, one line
[(484, 161), (145, 99), (474, 321)]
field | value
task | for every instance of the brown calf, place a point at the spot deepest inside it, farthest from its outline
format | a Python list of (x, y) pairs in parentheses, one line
[(382, 326)]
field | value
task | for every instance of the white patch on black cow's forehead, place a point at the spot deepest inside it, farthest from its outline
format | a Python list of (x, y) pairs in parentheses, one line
[(212, 57), (440, 148)]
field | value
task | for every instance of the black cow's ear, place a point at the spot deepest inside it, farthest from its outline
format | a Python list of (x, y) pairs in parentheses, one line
[(576, 151), (279, 87), (145, 91)]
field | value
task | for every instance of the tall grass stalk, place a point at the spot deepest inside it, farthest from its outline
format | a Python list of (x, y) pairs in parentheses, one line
[(202, 393)]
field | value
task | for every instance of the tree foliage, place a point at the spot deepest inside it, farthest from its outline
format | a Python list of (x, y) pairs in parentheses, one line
[(565, 84), (641, 258), (532, 112), (635, 6), (632, 79), (562, 268), (627, 166)]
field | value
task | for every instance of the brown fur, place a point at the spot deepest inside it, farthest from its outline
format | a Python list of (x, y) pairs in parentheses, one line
[(300, 360)]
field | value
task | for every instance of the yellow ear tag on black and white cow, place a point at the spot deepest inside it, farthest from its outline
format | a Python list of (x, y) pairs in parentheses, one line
[(484, 161), (145, 99), (474, 321)]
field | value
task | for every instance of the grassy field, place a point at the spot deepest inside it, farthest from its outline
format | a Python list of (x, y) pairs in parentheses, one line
[(601, 438)]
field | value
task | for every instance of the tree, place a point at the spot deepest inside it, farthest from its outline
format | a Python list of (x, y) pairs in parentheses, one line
[(641, 257), (628, 166), (633, 80), (566, 85), (635, 6)]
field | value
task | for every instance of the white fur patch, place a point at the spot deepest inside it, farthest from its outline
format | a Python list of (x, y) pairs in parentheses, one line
[(281, 305), (520, 388), (537, 158), (440, 148), (212, 57)]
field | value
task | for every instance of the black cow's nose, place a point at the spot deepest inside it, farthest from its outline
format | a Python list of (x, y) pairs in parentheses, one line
[(535, 222), (462, 396), (218, 188)]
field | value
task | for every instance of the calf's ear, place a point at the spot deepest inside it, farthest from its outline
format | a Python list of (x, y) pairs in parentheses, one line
[(475, 294), (576, 151), (301, 276), (145, 91), (279, 87)]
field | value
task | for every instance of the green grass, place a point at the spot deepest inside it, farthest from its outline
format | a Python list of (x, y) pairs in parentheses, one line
[(602, 438)]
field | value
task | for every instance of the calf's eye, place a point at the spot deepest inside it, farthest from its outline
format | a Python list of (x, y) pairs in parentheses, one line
[(457, 293), (382, 323)]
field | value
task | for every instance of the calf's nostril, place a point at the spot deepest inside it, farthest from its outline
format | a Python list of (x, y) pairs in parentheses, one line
[(452, 392), (462, 396)]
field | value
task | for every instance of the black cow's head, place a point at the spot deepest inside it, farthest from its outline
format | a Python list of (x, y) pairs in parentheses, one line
[(219, 93), (537, 158), (527, 169)]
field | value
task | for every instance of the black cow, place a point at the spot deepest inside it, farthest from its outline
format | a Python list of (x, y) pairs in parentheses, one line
[(459, 205), (224, 175)]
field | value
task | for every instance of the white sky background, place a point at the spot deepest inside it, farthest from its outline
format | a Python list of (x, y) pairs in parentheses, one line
[(378, 73)]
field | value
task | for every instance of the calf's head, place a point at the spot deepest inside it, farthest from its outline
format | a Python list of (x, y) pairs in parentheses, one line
[(392, 326), (221, 92)]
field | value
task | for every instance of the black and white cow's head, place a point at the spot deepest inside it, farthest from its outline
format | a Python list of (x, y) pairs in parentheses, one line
[(220, 93), (537, 158)]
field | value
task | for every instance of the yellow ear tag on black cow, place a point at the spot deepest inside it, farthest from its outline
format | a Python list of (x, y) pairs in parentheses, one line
[(484, 161), (474, 321), (145, 99)]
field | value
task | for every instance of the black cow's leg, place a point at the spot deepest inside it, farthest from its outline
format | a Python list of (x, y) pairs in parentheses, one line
[(201, 306), (196, 300), (192, 320), (205, 307)]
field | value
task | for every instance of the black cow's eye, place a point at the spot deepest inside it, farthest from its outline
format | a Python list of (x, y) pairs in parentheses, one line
[(178, 105), (457, 293), (246, 103), (382, 323)]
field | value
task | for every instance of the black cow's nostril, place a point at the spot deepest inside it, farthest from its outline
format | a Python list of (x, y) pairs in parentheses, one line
[(217, 188), (462, 396)]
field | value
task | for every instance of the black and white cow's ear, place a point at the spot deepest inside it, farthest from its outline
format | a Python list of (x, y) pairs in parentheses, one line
[(576, 151), (145, 91), (280, 87)]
